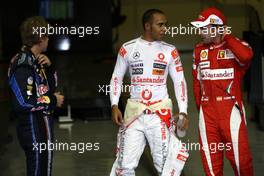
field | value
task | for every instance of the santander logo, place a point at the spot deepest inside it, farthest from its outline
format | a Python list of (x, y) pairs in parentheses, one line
[(217, 74)]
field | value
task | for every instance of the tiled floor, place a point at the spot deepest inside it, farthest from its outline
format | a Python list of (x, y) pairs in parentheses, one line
[(98, 163)]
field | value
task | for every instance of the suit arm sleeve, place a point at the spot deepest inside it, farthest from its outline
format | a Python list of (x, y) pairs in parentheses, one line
[(24, 91), (53, 83), (117, 76), (241, 49), (179, 82)]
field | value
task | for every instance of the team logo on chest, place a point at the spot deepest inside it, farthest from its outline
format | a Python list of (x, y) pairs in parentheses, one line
[(136, 55), (158, 72), (221, 54), (42, 89), (159, 66), (146, 94), (204, 55), (137, 71), (205, 64), (225, 54), (158, 69), (161, 56), (30, 80)]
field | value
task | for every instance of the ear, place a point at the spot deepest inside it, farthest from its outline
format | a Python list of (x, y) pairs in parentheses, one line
[(147, 26)]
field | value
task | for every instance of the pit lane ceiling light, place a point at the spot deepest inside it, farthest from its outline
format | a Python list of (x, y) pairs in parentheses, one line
[(64, 44)]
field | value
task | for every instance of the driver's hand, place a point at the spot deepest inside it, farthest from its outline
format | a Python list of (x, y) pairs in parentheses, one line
[(117, 115), (185, 122)]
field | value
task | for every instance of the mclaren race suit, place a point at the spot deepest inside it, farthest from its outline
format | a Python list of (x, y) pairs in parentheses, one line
[(148, 111)]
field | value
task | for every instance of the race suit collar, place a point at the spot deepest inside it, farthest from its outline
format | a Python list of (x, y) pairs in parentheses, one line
[(217, 45), (28, 51), (141, 40)]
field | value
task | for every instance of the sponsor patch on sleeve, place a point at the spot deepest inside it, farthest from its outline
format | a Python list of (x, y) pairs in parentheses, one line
[(178, 61), (179, 68), (122, 51), (182, 157), (175, 53)]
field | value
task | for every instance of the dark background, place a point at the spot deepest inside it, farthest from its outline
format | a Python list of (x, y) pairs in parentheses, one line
[(72, 13)]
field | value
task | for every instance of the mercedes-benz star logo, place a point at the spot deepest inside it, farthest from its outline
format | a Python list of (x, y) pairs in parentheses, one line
[(136, 55)]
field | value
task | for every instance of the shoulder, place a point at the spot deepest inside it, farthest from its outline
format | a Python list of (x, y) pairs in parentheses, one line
[(199, 46), (129, 43), (167, 45), (197, 50), (126, 47), (173, 51), (22, 59)]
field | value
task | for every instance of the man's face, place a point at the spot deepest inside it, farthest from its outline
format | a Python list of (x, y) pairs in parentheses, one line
[(209, 33), (158, 26), (44, 43)]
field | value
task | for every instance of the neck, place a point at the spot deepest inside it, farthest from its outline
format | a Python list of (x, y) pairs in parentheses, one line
[(147, 37), (217, 40), (35, 50)]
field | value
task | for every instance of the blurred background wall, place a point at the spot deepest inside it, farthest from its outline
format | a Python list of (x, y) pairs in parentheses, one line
[(240, 15), (88, 62)]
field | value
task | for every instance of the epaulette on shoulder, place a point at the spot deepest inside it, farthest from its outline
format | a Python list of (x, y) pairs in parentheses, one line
[(23, 59), (200, 44), (169, 45), (130, 42)]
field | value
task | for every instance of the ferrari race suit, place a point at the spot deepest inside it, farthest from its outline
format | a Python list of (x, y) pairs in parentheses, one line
[(148, 111), (218, 71), (32, 88)]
